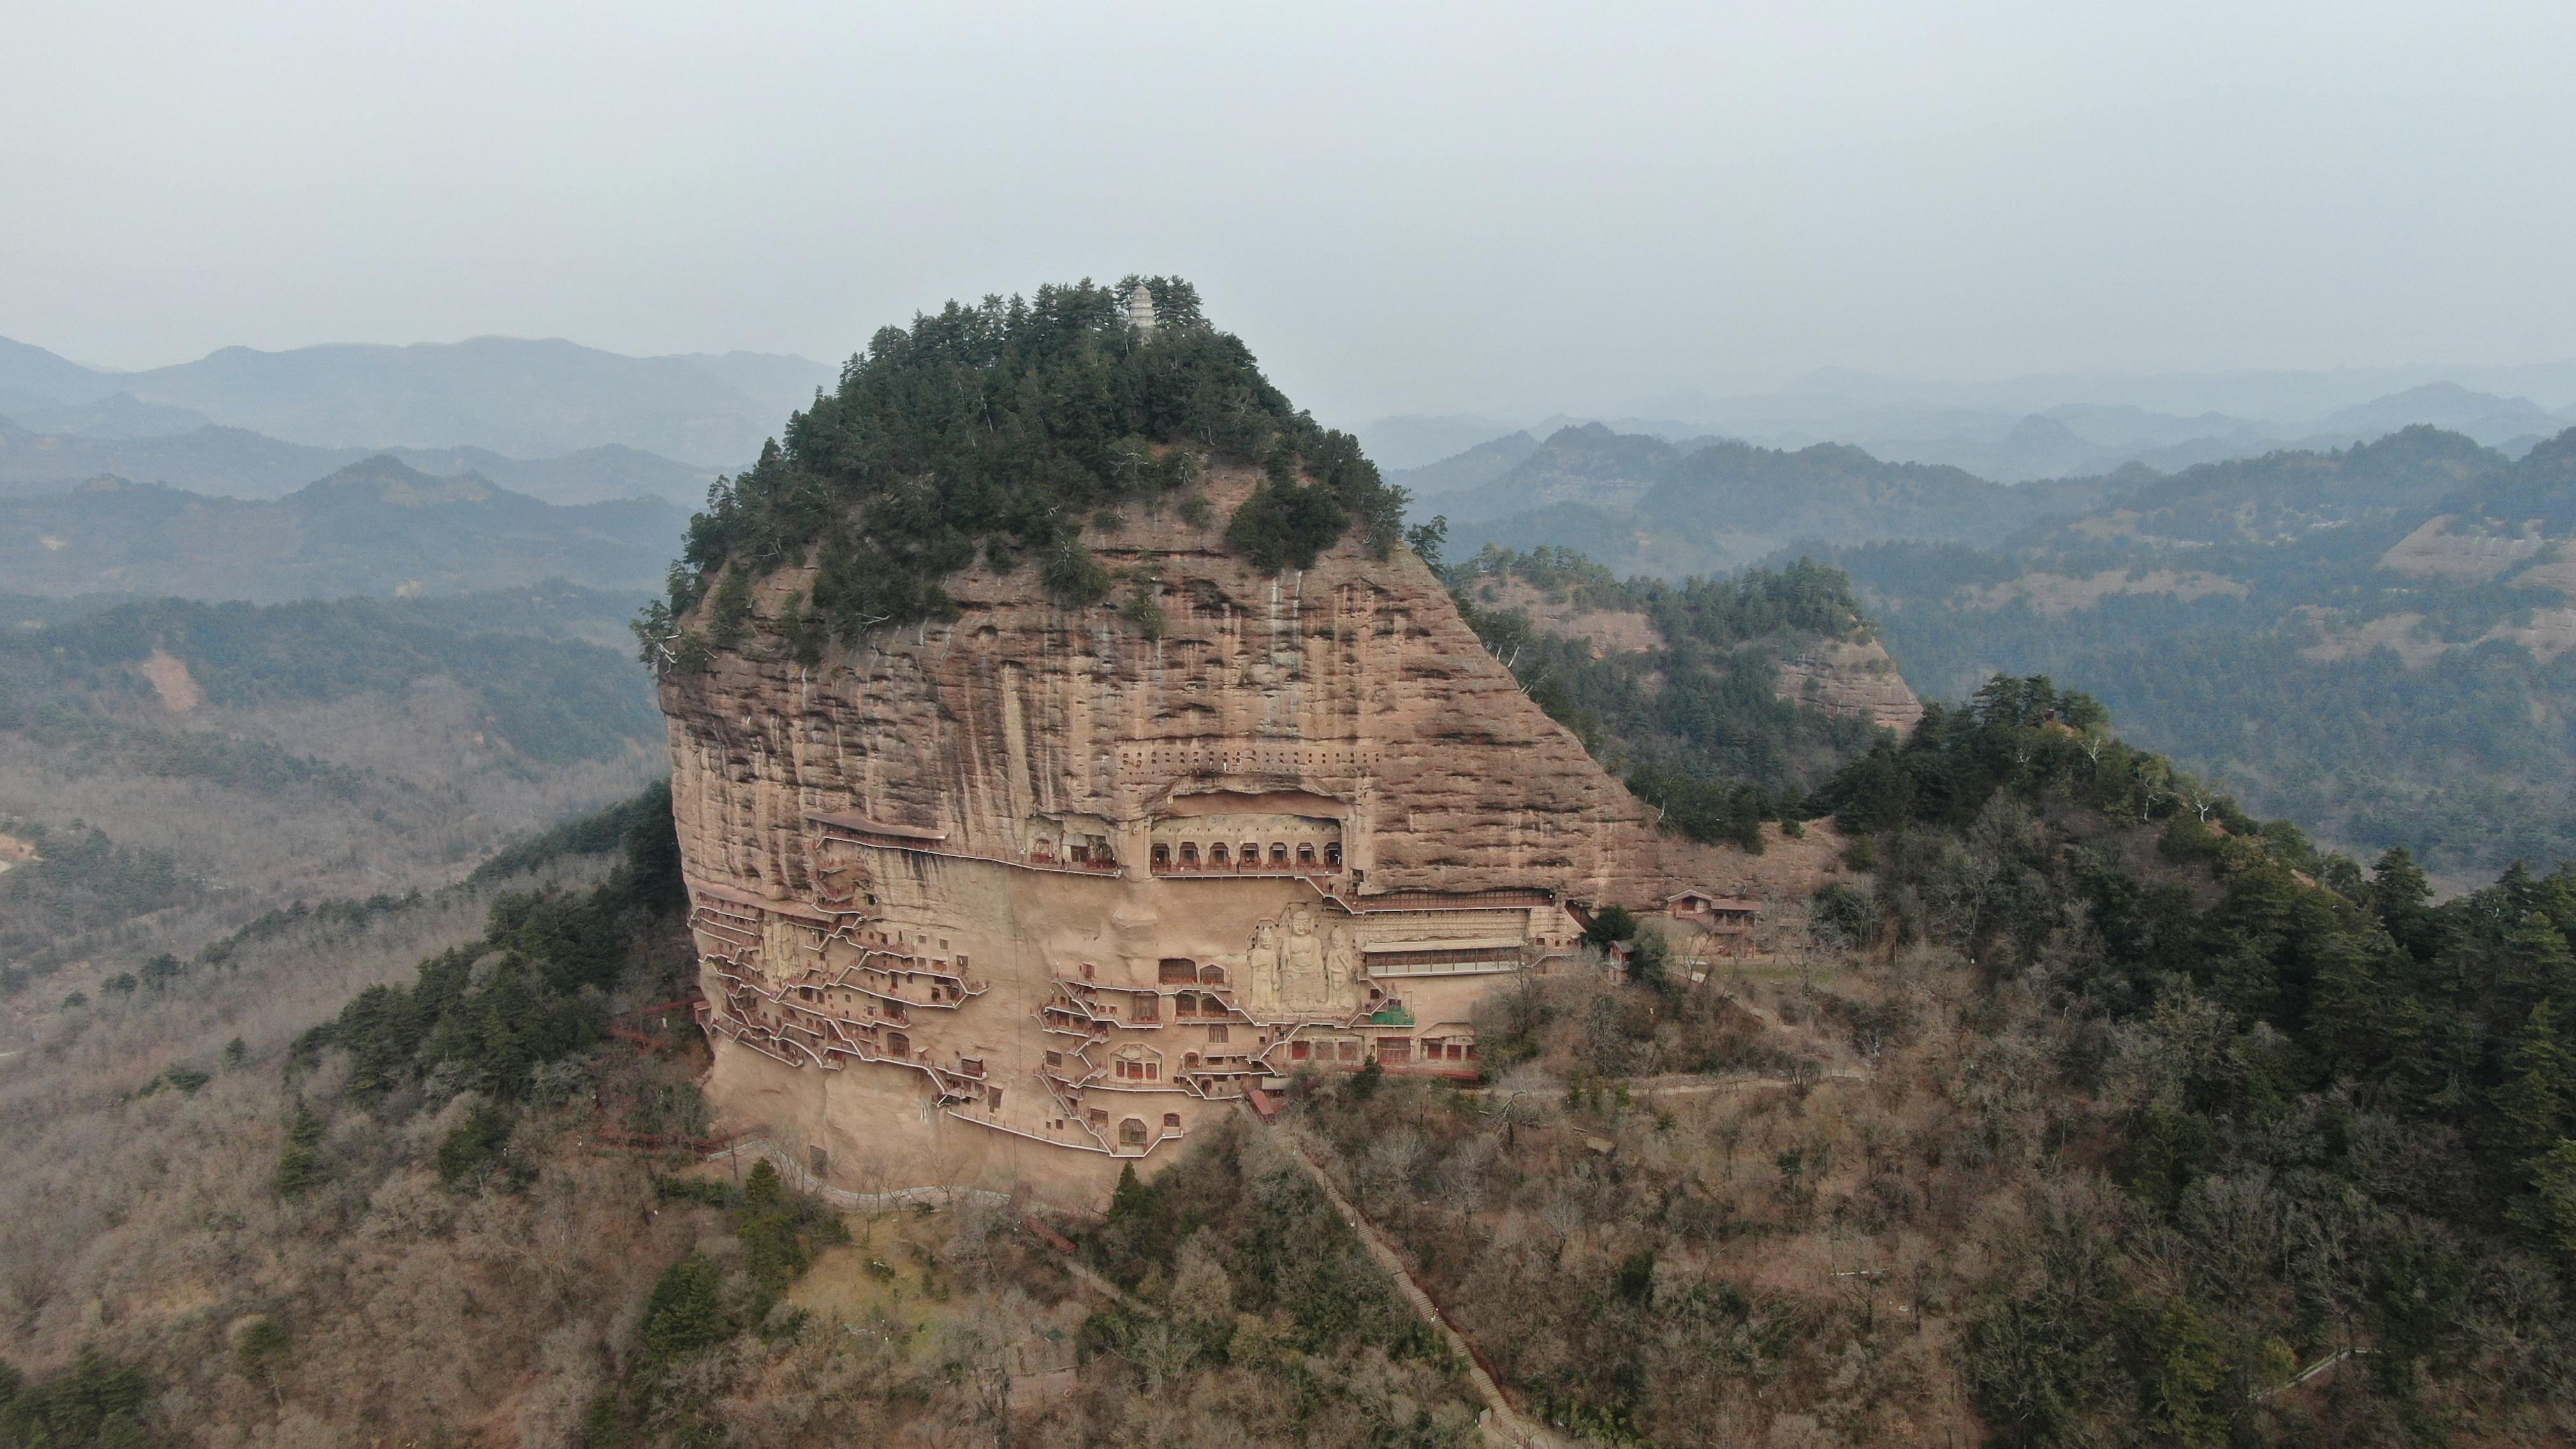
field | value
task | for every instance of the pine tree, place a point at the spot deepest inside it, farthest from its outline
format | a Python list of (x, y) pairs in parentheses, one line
[(2548, 1211), (686, 1312), (762, 1191), (2540, 1075), (1131, 1199), (2400, 893), (300, 1166), (2538, 966)]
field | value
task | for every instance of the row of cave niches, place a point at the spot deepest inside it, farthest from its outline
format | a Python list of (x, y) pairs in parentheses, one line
[(1250, 858)]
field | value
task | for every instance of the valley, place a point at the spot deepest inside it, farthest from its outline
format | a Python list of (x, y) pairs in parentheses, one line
[(170, 771), (375, 527)]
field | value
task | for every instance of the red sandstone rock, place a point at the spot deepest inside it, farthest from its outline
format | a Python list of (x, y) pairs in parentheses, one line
[(994, 872)]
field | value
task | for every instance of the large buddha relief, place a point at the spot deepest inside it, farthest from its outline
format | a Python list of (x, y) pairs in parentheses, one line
[(1298, 966)]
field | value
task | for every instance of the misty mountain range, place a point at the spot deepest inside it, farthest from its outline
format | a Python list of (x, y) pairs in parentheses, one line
[(1646, 504), (376, 527), (1712, 505), (568, 423), (238, 463), (2060, 427)]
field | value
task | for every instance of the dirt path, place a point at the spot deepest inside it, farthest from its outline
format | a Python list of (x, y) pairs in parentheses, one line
[(1502, 1423), (1695, 1084)]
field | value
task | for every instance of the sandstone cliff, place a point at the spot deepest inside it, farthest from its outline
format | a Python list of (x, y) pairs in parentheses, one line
[(1011, 898), (1354, 680)]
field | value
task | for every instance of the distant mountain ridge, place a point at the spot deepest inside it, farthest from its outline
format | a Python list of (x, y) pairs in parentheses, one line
[(1707, 505), (2015, 432), (238, 463), (375, 528), (2283, 496), (2380, 639), (1473, 468), (516, 397), (1588, 464)]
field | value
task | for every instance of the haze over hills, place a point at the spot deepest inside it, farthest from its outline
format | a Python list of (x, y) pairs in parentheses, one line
[(2380, 641), (238, 463), (1832, 1127), (2373, 637), (518, 397), (1642, 505), (375, 527), (2064, 426)]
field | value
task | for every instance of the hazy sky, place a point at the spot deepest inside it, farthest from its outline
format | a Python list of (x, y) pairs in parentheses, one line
[(1401, 207)]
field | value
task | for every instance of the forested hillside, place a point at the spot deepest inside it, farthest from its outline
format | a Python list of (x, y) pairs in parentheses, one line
[(2098, 1113), (2374, 641), (1676, 687), (2129, 1118), (2124, 1120)]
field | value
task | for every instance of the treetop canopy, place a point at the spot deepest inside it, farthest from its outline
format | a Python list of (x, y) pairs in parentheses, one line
[(999, 429)]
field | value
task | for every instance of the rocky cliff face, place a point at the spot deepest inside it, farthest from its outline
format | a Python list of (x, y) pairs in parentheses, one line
[(1078, 876), (1354, 680), (1851, 681)]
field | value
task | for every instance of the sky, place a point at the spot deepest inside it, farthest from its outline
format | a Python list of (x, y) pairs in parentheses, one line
[(1402, 208)]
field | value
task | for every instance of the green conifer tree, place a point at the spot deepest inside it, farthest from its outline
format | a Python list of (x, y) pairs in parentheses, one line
[(2539, 1077), (2538, 966), (686, 1312), (300, 1167)]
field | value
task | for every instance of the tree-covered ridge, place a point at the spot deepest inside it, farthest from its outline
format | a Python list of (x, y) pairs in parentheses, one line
[(999, 430), (2540, 486), (1802, 598), (2289, 494), (1694, 725), (1714, 505), (2341, 1116)]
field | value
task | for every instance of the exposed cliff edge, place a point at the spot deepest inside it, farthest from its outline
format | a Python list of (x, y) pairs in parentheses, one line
[(1023, 720), (1038, 879), (1080, 876)]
